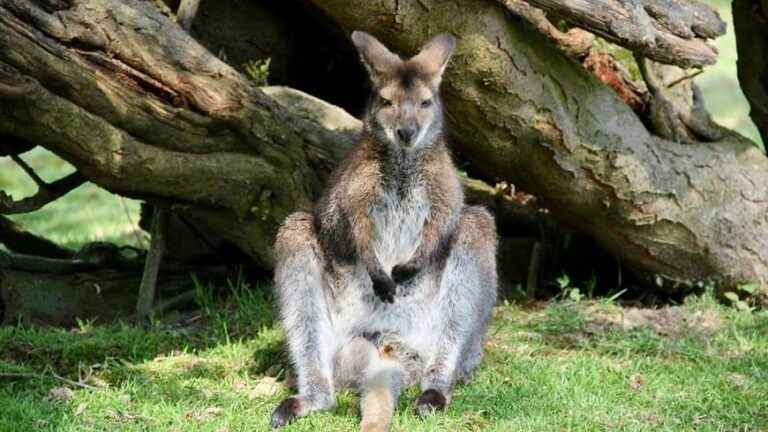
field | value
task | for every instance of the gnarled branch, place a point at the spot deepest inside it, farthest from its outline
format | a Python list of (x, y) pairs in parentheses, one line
[(676, 108), (575, 42), (668, 31), (47, 192)]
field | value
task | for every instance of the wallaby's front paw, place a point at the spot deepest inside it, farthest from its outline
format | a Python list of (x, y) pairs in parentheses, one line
[(383, 287), (430, 401), (402, 273), (285, 413)]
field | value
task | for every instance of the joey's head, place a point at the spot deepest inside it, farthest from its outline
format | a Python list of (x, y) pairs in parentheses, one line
[(405, 110)]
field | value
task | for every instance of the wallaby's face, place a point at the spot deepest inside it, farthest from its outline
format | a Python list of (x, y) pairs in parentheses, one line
[(405, 109)]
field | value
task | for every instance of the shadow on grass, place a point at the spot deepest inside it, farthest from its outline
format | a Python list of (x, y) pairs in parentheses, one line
[(237, 333), (566, 365)]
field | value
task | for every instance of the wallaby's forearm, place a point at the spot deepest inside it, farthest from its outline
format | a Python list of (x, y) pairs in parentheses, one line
[(362, 236), (446, 202)]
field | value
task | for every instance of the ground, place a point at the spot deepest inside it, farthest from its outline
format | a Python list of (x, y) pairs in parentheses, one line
[(577, 366)]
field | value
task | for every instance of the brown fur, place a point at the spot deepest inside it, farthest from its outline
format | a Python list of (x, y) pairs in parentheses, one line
[(361, 180), (395, 197)]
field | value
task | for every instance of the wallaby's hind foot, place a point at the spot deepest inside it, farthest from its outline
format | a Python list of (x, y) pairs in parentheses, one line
[(293, 407), (430, 401), (286, 412)]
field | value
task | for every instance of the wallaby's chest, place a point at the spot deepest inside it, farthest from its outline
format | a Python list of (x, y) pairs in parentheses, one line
[(398, 218)]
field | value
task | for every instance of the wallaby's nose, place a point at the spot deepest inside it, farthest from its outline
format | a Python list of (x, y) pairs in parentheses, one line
[(406, 134)]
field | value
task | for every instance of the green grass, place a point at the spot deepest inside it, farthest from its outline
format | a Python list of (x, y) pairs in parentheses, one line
[(563, 366), (88, 213)]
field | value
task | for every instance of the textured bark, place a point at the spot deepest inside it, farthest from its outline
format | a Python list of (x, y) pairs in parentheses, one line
[(148, 285), (750, 19), (669, 31), (60, 300), (576, 42), (157, 116), (52, 299), (523, 112)]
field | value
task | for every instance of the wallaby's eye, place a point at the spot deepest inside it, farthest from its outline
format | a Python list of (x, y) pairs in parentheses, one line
[(385, 102), (426, 103)]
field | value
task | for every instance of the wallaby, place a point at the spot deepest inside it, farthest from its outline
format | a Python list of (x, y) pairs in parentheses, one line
[(392, 280)]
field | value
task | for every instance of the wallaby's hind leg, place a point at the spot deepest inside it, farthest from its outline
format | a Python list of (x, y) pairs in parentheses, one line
[(299, 282), (465, 299)]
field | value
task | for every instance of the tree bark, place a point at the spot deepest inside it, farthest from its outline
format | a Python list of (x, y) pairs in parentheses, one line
[(54, 299), (668, 31), (156, 116)]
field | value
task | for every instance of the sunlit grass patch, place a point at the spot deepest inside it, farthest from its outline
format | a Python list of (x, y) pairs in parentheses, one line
[(565, 365)]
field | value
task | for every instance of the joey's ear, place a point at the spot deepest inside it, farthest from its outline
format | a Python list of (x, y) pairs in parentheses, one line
[(434, 56), (376, 57)]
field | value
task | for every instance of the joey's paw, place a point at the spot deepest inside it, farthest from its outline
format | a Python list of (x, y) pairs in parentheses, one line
[(383, 287), (285, 413), (430, 401), (402, 273)]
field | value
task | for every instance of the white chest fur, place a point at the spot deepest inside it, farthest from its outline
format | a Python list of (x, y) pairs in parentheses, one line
[(398, 222)]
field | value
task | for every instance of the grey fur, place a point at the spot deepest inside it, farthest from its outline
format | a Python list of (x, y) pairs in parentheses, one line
[(410, 201)]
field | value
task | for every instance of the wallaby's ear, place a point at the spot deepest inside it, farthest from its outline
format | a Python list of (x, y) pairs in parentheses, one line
[(434, 56), (376, 57)]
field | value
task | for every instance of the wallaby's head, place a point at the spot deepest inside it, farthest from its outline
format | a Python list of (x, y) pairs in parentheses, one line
[(405, 109)]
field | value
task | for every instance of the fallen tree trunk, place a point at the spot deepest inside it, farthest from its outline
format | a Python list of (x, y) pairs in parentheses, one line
[(52, 299), (101, 295), (158, 117), (97, 283)]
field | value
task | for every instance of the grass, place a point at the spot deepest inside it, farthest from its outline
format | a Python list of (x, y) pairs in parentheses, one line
[(564, 366)]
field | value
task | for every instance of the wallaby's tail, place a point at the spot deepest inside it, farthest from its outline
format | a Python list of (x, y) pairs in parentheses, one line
[(381, 366), (383, 381)]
